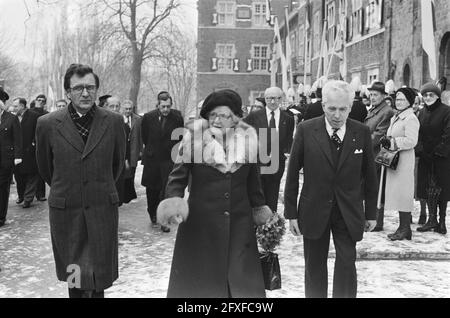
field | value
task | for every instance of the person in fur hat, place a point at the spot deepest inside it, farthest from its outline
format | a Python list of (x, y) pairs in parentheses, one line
[(215, 252)]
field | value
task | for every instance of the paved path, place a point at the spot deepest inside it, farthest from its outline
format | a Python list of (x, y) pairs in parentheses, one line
[(418, 268)]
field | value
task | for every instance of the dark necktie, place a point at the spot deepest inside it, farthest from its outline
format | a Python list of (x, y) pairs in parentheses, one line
[(163, 122), (272, 120), (335, 138)]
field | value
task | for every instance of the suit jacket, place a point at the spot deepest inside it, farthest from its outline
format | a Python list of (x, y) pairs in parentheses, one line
[(39, 110), (10, 140), (28, 128), (325, 184), (158, 144), (135, 140), (378, 120), (313, 110), (83, 200), (258, 119)]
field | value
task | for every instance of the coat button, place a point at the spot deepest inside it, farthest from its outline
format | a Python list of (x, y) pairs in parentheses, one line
[(226, 213), (227, 195)]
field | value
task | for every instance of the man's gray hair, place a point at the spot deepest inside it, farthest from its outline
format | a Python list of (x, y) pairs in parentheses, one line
[(127, 102), (337, 86)]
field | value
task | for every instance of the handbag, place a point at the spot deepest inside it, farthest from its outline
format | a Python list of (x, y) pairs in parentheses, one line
[(271, 270), (388, 158)]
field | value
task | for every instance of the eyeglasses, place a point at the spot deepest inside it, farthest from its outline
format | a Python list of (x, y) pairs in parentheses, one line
[(429, 95), (40, 100), (272, 98), (79, 89), (213, 116)]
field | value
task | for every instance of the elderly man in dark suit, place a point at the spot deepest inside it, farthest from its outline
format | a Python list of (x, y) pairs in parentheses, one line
[(272, 118), (10, 153), (156, 130), (339, 173), (378, 120), (81, 154), (26, 173)]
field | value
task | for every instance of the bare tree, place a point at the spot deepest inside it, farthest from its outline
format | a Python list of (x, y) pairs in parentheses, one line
[(141, 21)]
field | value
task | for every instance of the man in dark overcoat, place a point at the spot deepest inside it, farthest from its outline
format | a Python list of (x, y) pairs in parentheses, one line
[(10, 153), (39, 108), (273, 118), (339, 174), (80, 154), (26, 173), (378, 120), (156, 130)]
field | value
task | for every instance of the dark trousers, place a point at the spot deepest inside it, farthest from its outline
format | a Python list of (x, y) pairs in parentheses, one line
[(40, 188), (26, 185), (5, 185), (153, 199), (316, 256), (270, 184), (78, 293)]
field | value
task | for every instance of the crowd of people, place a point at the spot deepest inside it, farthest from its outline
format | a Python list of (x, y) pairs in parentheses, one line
[(231, 162)]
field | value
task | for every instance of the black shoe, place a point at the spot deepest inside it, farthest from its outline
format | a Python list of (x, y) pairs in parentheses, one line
[(42, 199), (441, 228), (422, 219), (26, 204), (19, 200), (165, 229), (401, 234), (393, 234), (430, 225), (378, 228)]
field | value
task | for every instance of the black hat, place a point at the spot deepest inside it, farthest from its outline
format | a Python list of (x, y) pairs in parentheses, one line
[(3, 95), (409, 93), (102, 100), (226, 97), (379, 87), (262, 100)]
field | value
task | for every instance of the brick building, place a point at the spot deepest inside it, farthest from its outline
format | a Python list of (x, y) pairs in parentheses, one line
[(382, 39), (234, 46)]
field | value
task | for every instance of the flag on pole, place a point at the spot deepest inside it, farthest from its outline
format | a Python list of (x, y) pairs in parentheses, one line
[(278, 53), (428, 29), (50, 97), (288, 65), (268, 11)]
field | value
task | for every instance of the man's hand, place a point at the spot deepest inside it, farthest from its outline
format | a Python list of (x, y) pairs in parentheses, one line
[(370, 225), (293, 227), (17, 162)]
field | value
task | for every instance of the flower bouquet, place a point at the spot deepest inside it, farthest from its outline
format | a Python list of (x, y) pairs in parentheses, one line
[(269, 236)]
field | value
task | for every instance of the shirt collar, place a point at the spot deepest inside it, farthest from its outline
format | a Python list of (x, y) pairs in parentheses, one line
[(269, 112), (340, 132)]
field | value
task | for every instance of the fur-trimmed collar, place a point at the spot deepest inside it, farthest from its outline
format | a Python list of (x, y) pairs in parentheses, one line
[(202, 144)]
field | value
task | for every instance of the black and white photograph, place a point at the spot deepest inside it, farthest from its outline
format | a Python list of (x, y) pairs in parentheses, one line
[(251, 151)]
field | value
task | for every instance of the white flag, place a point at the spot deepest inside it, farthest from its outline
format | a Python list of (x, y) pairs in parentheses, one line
[(428, 42)]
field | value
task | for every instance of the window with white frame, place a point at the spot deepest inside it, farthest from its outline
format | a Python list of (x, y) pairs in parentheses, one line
[(260, 57), (331, 19), (225, 54), (259, 14), (357, 18), (343, 7), (374, 14), (226, 11), (373, 75)]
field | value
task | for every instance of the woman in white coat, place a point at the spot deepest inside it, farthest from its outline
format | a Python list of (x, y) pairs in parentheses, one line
[(402, 135)]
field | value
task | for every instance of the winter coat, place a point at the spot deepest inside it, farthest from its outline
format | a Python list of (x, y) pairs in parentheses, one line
[(433, 148), (10, 140), (157, 154), (215, 251), (404, 130), (28, 128), (83, 200), (378, 120)]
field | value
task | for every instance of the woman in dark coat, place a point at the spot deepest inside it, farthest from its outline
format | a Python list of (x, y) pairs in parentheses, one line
[(433, 150), (216, 253)]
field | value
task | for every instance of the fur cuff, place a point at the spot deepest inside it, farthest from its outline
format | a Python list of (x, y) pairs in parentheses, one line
[(172, 210), (261, 214)]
